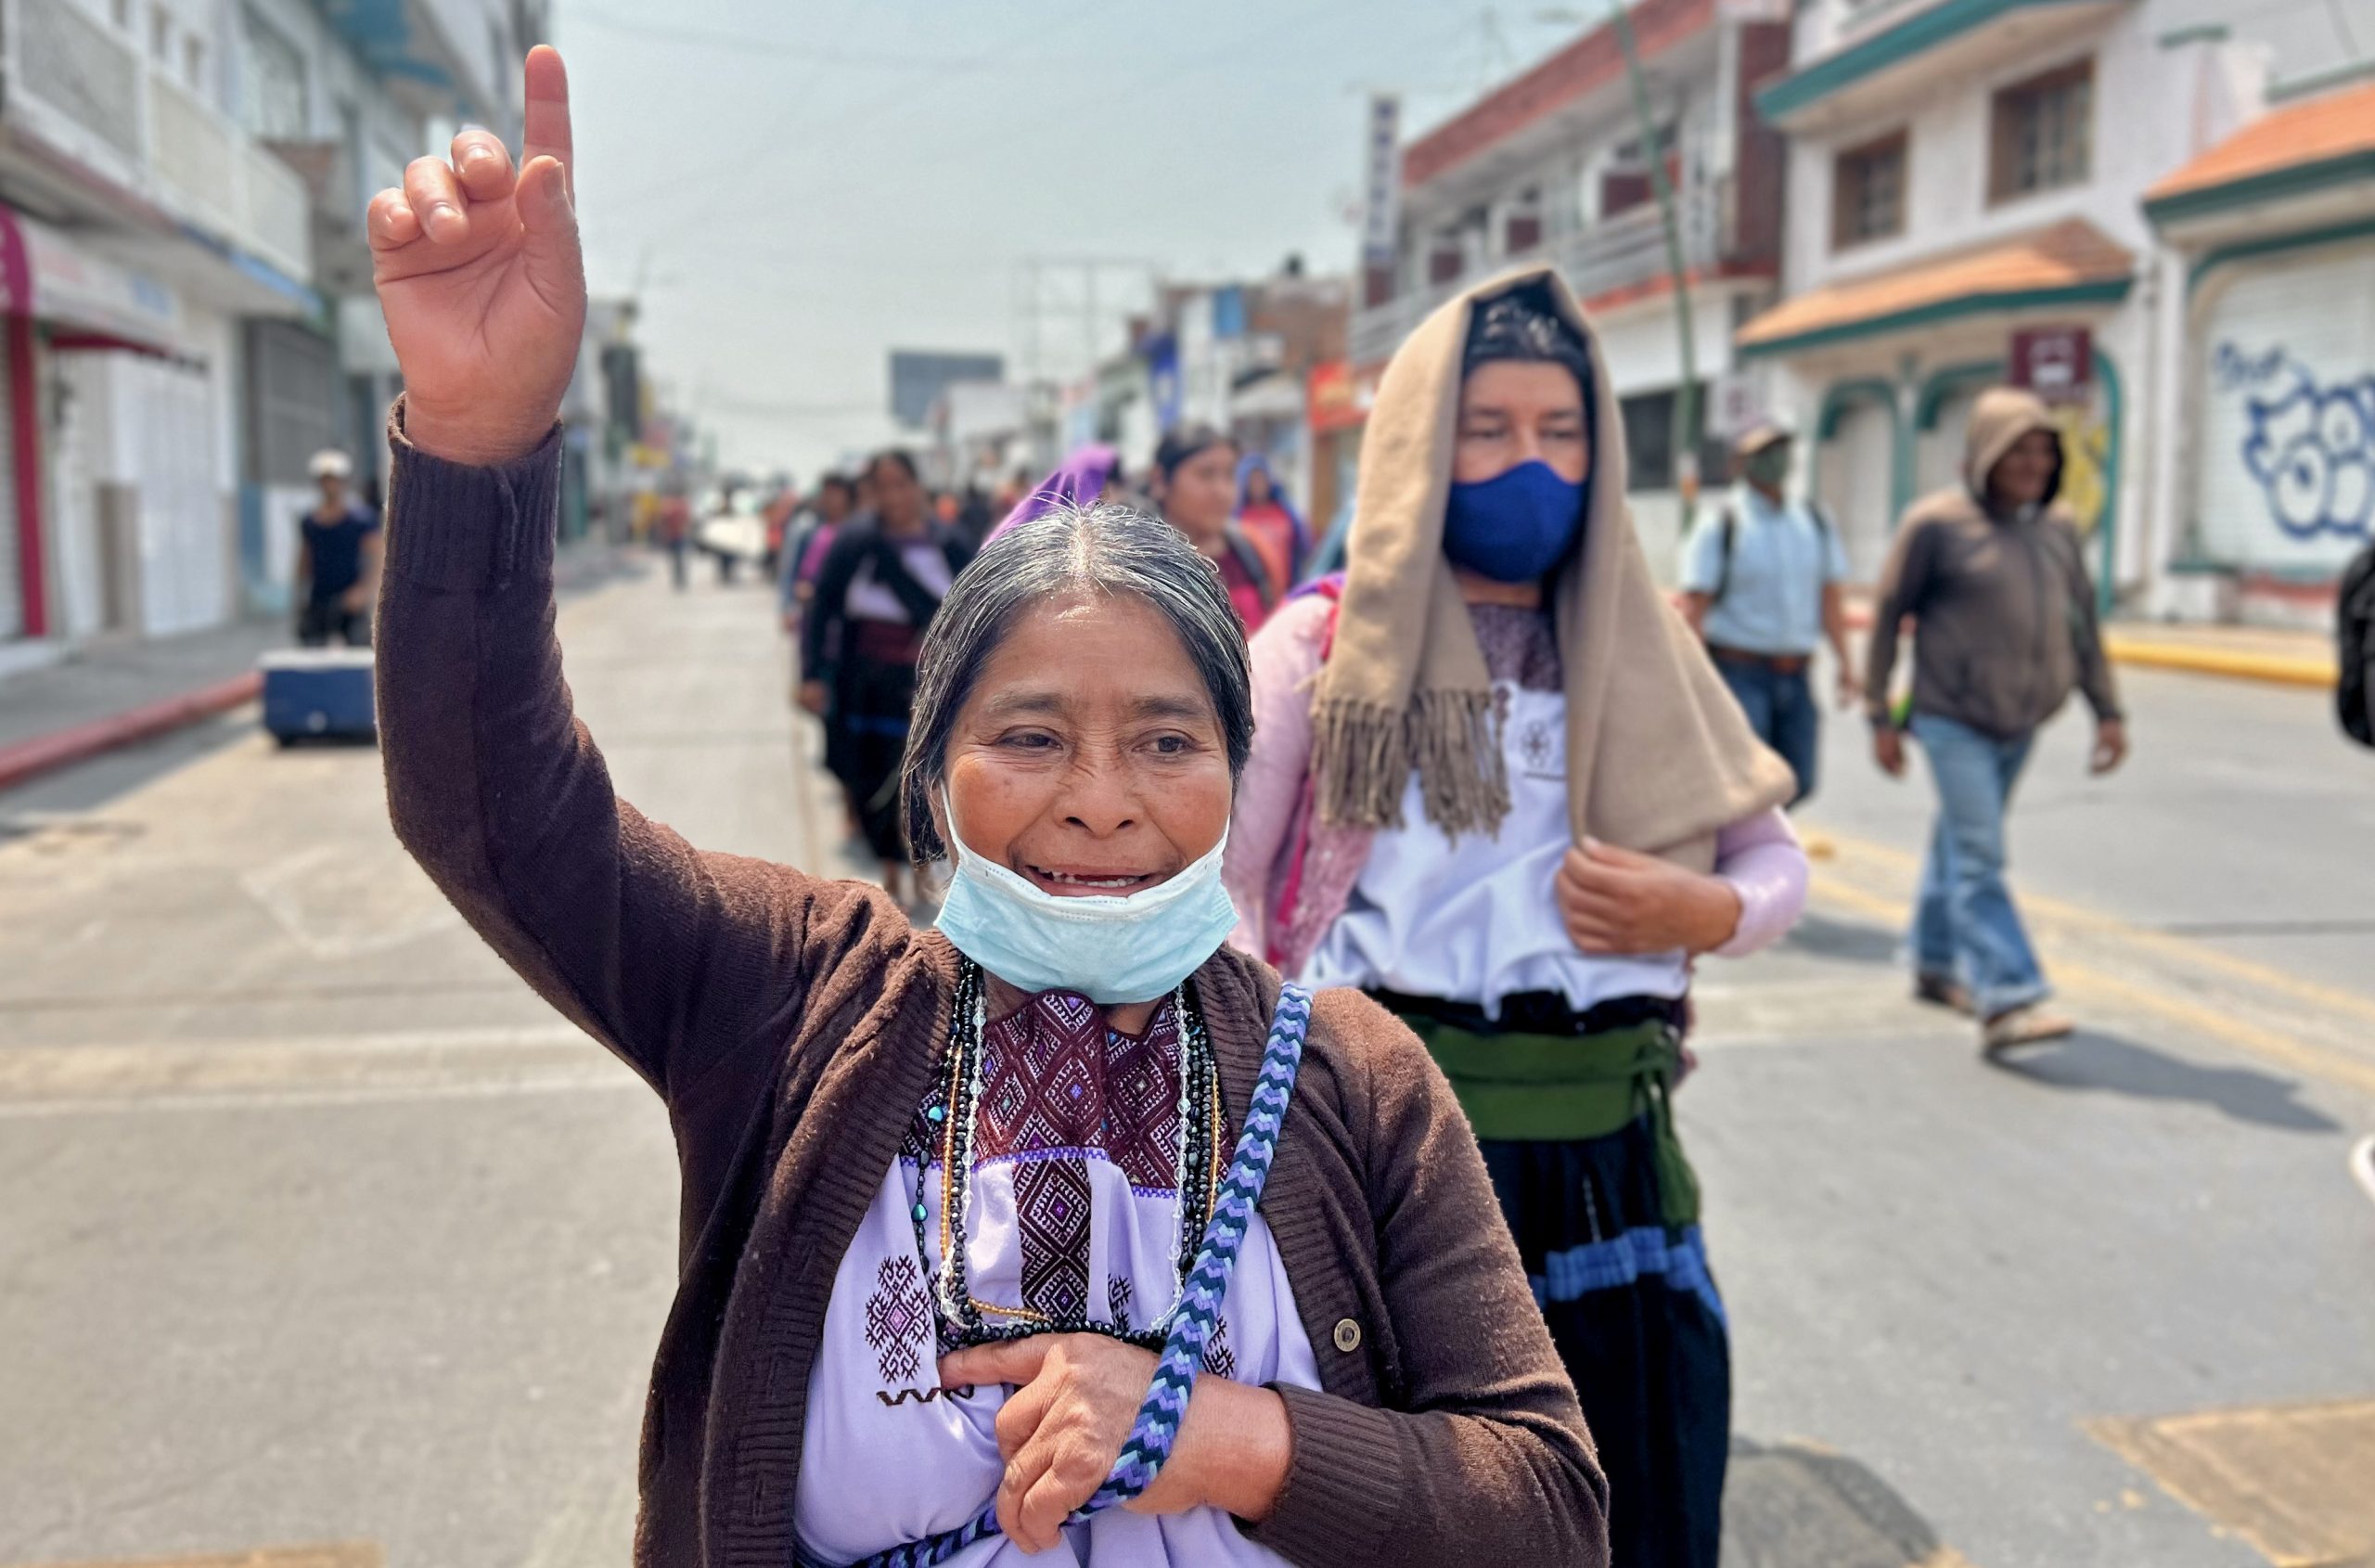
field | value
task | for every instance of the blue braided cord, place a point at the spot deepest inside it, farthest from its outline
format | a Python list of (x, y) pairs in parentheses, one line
[(1199, 1307), (1156, 1428)]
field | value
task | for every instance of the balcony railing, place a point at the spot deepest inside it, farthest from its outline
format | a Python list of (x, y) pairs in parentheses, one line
[(86, 90), (1616, 254)]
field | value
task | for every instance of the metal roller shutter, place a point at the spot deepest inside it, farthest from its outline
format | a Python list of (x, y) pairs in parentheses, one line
[(2284, 452)]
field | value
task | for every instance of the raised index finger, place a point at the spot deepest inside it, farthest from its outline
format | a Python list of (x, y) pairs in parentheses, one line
[(545, 134)]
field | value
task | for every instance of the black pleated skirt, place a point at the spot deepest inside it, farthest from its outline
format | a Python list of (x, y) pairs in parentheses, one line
[(1635, 1315)]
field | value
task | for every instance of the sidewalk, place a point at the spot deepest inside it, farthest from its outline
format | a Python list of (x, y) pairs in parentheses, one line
[(2260, 653), (116, 694)]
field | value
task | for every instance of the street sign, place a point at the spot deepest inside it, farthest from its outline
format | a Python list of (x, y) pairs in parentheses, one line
[(2056, 362), (1735, 404), (1381, 189)]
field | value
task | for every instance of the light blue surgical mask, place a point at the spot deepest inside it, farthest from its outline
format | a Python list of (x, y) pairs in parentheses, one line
[(1109, 947)]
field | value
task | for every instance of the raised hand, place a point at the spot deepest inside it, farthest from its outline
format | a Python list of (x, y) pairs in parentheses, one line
[(482, 283)]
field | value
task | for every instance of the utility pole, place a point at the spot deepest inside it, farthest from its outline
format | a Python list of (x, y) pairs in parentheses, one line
[(1686, 401), (1686, 396)]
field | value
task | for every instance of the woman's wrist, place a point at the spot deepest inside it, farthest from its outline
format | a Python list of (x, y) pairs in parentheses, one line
[(1236, 1446), (473, 441), (1718, 917)]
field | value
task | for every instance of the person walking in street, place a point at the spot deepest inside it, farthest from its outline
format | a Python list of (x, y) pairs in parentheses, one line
[(807, 543), (1497, 784), (1991, 577), (674, 523), (1194, 483), (337, 559), (1762, 579), (876, 593), (1059, 1233), (1265, 514)]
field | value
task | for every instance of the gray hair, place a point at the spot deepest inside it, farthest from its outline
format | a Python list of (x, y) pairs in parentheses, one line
[(1102, 547)]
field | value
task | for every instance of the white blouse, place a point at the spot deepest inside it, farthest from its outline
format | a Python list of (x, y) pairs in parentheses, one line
[(1476, 918)]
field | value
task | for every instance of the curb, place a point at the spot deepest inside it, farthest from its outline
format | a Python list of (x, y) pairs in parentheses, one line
[(2278, 668), (44, 754)]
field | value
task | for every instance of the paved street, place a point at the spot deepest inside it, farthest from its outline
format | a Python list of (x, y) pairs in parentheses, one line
[(320, 1230)]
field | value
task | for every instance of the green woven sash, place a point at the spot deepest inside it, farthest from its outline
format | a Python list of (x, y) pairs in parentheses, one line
[(1568, 1088)]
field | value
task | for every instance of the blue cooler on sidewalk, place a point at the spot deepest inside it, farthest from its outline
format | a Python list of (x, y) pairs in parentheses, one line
[(322, 692)]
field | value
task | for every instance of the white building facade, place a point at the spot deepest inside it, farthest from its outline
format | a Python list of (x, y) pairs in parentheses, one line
[(1966, 192), (181, 194)]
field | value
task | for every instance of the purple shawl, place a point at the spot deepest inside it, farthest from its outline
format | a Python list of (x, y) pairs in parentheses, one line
[(1079, 480)]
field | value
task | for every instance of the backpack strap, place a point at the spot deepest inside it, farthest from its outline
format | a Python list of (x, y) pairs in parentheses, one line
[(1730, 539)]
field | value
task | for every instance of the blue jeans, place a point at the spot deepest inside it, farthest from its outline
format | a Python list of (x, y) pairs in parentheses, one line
[(1781, 710), (1964, 925)]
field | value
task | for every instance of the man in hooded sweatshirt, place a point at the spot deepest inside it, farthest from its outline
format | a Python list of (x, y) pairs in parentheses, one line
[(1992, 577)]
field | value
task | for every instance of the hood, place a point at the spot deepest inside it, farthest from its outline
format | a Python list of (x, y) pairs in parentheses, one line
[(2000, 418), (1407, 685)]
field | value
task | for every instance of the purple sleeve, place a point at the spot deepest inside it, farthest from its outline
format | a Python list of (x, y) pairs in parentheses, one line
[(1761, 857)]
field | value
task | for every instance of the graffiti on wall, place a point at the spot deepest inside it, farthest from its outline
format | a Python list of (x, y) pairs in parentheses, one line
[(2309, 441), (2085, 460)]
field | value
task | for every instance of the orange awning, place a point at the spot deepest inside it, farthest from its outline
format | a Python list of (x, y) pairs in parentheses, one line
[(2071, 262), (2336, 128)]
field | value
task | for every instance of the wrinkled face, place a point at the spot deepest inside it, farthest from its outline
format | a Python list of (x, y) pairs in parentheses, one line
[(1201, 491), (2022, 475), (1088, 757), (1520, 411)]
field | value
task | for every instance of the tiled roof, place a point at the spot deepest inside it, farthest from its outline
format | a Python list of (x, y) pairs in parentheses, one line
[(2072, 254), (2331, 125)]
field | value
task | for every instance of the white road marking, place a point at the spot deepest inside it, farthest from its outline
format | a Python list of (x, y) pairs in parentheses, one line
[(345, 1069)]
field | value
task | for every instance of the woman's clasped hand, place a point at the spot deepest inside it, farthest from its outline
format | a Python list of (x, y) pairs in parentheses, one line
[(1076, 1399)]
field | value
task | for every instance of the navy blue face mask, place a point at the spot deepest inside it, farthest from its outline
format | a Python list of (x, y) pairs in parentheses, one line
[(1515, 526)]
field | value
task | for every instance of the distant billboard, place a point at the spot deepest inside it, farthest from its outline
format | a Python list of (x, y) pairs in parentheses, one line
[(917, 377)]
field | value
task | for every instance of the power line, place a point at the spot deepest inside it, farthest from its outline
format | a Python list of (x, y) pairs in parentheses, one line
[(753, 44)]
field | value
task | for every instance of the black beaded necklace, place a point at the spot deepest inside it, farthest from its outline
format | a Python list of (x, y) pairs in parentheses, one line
[(956, 1312)]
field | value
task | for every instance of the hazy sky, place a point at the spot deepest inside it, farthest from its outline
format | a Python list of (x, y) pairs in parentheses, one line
[(801, 187)]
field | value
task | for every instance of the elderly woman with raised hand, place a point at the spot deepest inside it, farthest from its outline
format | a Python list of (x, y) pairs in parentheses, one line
[(1497, 784), (1058, 1229)]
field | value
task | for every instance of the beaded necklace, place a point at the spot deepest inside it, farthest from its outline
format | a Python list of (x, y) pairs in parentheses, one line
[(1197, 1162)]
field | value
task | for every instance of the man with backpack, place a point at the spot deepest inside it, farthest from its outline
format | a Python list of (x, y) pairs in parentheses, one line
[(1761, 583)]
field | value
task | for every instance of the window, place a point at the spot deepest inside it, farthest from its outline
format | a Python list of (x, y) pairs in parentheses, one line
[(275, 82), (1625, 182), (1867, 192), (1649, 439), (1649, 445), (1522, 228), (2042, 133)]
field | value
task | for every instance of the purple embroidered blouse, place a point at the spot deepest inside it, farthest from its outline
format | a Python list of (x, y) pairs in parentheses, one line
[(1074, 1212)]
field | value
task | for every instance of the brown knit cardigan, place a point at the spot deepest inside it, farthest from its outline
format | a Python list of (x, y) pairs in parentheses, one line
[(790, 1024)]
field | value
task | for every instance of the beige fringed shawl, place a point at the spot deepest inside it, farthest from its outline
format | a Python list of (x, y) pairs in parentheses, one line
[(1659, 754)]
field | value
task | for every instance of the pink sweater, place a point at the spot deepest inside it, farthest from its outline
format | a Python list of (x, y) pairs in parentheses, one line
[(1284, 908)]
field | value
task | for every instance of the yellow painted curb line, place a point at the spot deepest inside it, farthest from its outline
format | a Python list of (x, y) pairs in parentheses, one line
[(2283, 669)]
